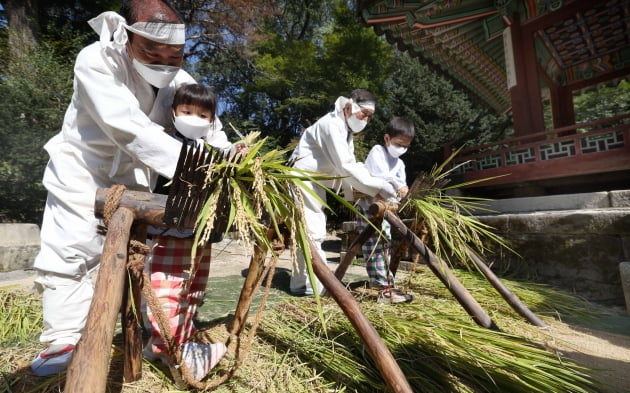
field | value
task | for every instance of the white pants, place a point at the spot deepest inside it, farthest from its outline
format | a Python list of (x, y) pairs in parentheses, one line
[(66, 302), (315, 218), (70, 250)]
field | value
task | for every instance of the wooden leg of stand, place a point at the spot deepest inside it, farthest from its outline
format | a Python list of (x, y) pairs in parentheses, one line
[(382, 357), (507, 295), (445, 275), (131, 316), (354, 249), (90, 363), (254, 275)]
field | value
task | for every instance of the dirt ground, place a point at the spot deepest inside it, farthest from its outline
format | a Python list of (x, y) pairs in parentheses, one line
[(606, 350)]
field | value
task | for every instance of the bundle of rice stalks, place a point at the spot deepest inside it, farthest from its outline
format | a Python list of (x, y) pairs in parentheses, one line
[(263, 191), (540, 298), (452, 229), (264, 199), (437, 347), (20, 318)]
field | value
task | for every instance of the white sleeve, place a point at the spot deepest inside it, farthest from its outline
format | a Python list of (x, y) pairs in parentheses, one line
[(338, 149), (116, 110)]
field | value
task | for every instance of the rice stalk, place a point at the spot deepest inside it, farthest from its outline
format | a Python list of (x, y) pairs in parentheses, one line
[(438, 349), (452, 228), (542, 299), (21, 316)]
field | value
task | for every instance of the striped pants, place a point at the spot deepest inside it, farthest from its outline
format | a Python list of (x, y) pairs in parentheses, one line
[(376, 253)]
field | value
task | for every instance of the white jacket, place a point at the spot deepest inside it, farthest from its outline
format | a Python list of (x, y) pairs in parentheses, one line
[(113, 133), (381, 164), (327, 147)]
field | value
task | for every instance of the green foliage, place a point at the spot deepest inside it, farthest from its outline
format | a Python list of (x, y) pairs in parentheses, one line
[(440, 113), (605, 101), (36, 92), (291, 79)]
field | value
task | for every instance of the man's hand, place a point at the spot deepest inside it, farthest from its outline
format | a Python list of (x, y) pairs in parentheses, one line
[(402, 192)]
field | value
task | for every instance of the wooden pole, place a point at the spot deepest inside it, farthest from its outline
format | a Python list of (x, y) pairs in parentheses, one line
[(254, 275), (355, 247), (382, 357), (89, 366), (130, 318), (509, 297), (445, 275)]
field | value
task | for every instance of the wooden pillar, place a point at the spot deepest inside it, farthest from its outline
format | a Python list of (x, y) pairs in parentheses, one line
[(527, 109), (131, 318), (562, 106), (89, 366), (561, 97)]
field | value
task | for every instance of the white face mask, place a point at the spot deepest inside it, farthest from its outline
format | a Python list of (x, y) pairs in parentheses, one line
[(396, 151), (157, 75), (355, 124), (192, 127)]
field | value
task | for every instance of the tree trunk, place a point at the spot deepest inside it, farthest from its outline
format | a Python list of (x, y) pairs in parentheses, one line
[(23, 27)]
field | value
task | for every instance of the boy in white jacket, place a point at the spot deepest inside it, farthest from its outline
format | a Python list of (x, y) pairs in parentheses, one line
[(383, 161)]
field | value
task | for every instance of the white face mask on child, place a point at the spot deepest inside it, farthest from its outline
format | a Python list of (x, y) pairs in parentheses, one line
[(396, 151), (192, 127)]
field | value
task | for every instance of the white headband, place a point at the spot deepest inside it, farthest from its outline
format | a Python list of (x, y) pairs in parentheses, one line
[(112, 28), (366, 105)]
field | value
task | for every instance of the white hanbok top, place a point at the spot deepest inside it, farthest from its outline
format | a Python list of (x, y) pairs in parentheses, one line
[(327, 147), (113, 133), (381, 164)]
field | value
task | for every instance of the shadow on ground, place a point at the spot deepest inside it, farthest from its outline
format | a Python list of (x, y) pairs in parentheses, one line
[(223, 293)]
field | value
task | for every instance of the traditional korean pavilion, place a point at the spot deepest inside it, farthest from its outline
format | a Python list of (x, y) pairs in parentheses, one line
[(518, 56)]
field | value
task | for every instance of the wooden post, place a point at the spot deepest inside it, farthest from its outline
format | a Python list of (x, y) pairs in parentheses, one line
[(254, 275), (445, 275), (130, 316), (89, 366), (382, 357), (509, 297)]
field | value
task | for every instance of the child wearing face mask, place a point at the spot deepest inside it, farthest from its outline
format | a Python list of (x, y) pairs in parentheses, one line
[(383, 161), (178, 281)]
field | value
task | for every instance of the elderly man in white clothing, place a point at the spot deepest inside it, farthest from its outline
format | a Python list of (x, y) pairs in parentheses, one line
[(327, 147), (113, 133)]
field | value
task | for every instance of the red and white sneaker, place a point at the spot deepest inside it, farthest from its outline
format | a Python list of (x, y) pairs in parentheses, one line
[(52, 360), (393, 295)]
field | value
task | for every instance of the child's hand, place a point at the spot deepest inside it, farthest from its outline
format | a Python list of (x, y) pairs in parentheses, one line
[(402, 192)]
